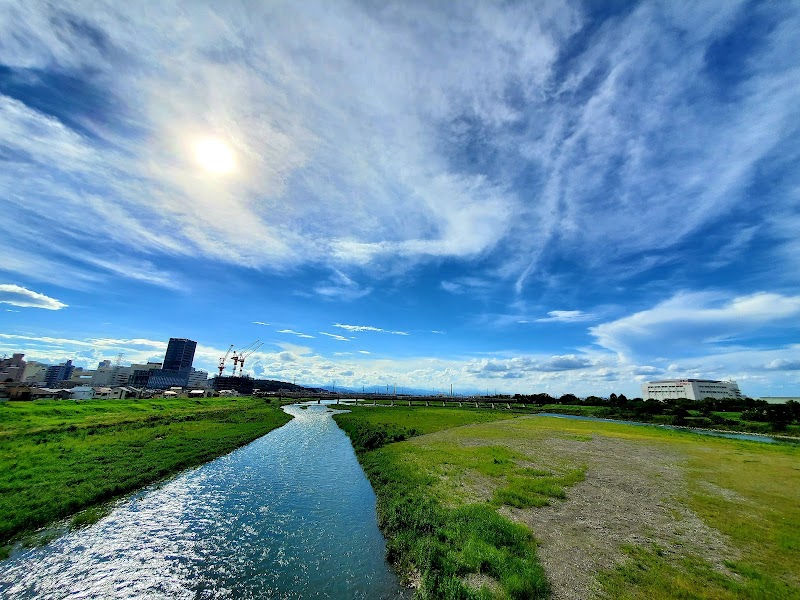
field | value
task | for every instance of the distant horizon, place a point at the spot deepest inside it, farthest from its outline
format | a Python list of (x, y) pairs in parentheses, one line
[(558, 197), (380, 388)]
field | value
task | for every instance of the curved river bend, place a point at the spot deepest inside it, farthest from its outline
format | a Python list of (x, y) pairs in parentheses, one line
[(290, 515)]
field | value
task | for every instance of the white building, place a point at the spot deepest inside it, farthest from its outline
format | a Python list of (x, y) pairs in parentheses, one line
[(693, 389), (82, 392), (197, 379), (111, 376)]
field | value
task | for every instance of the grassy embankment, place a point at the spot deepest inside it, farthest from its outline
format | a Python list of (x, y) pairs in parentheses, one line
[(439, 497), (719, 420), (61, 457), (458, 547)]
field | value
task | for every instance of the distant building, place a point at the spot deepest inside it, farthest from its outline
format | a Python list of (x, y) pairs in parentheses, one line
[(177, 367), (198, 379), (693, 389), (241, 385), (58, 373), (106, 375), (34, 372), (12, 369), (83, 392), (140, 373), (180, 354), (162, 379)]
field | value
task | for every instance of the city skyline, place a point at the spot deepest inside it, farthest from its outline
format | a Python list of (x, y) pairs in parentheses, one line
[(552, 197)]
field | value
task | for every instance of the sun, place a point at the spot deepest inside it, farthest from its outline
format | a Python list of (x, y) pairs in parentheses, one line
[(214, 155)]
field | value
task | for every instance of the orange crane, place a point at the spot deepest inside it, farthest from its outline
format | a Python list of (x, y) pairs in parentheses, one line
[(223, 359), (244, 353)]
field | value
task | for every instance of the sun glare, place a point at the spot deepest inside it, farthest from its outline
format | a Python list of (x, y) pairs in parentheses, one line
[(214, 155)]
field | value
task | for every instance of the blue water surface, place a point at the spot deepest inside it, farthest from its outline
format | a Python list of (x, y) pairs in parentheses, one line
[(290, 515)]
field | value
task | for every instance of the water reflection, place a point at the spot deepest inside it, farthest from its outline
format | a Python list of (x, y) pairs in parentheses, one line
[(289, 516)]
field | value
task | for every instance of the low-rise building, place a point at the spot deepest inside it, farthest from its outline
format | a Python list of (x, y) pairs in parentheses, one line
[(692, 389), (82, 392)]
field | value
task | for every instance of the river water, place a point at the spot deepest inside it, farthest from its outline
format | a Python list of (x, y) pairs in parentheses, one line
[(290, 515)]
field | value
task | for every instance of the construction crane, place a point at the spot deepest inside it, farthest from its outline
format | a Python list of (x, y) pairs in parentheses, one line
[(223, 359), (244, 353)]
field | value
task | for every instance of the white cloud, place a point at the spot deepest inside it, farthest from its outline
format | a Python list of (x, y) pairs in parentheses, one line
[(359, 328), (364, 352), (341, 338), (335, 176), (341, 287), (297, 333), (17, 295), (565, 316), (783, 364), (516, 368), (259, 323), (688, 321)]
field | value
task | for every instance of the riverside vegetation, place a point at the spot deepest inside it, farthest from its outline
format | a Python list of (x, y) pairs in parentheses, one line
[(618, 510), (58, 457)]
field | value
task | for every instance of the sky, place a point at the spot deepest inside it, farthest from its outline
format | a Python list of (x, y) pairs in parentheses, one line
[(516, 197)]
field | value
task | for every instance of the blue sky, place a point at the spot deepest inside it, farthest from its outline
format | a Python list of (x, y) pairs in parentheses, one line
[(513, 196)]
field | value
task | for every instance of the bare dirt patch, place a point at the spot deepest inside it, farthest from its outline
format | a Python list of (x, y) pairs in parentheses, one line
[(632, 494)]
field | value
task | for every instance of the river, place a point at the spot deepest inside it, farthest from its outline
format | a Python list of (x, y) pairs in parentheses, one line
[(290, 515)]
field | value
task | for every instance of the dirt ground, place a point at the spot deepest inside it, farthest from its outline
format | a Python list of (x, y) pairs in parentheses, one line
[(631, 495)]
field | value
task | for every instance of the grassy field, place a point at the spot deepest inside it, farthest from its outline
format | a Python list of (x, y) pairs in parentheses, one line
[(701, 517), (60, 457), (452, 547)]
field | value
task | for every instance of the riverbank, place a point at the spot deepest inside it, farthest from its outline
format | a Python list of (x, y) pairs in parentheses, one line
[(720, 421), (728, 422), (58, 457), (447, 545), (616, 510)]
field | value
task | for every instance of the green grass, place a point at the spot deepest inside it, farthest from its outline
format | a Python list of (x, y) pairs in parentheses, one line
[(441, 536), (747, 491), (756, 505), (61, 457)]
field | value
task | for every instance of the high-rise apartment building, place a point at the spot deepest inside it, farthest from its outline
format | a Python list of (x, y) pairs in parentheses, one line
[(180, 354), (58, 373)]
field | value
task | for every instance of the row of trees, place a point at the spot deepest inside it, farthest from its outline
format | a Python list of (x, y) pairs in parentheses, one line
[(678, 410)]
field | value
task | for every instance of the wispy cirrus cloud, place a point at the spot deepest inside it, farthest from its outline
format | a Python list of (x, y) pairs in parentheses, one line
[(17, 295), (369, 328), (565, 316), (335, 336), (512, 145), (297, 333)]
